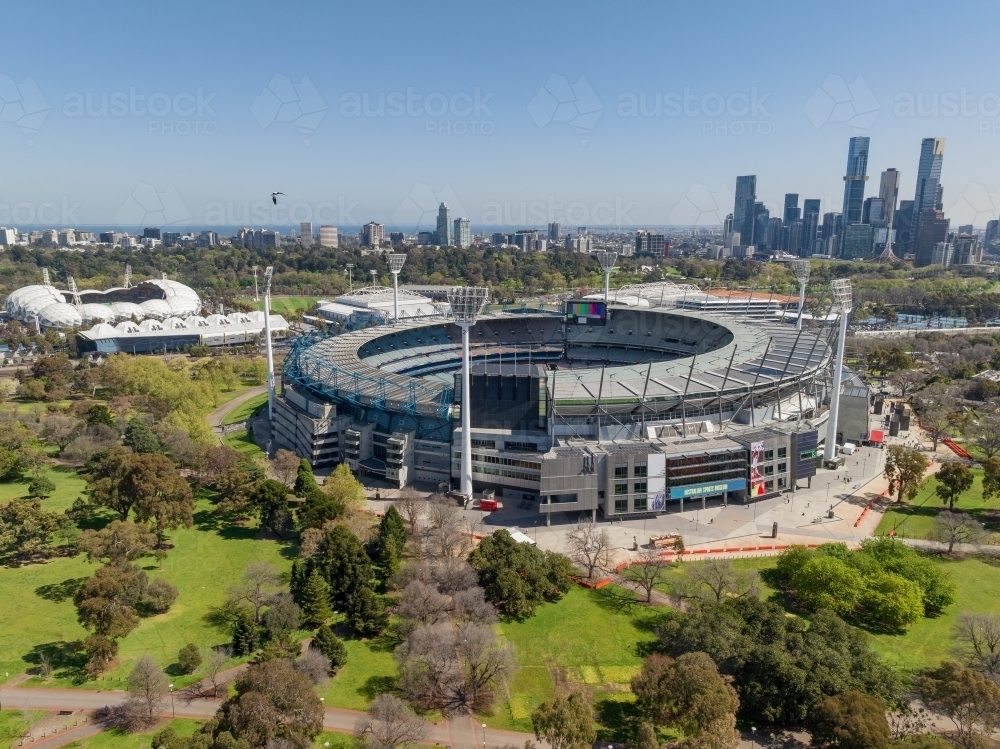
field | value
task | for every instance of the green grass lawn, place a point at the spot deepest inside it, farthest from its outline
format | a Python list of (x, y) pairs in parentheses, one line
[(915, 519), (757, 565), (119, 739), (245, 410), (12, 725), (281, 305), (335, 740), (241, 441), (69, 486), (588, 640), (38, 613), (369, 671)]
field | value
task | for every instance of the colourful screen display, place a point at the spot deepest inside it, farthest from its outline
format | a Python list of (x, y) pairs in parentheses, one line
[(589, 310)]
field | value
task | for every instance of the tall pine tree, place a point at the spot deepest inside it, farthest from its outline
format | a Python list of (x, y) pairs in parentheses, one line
[(316, 600)]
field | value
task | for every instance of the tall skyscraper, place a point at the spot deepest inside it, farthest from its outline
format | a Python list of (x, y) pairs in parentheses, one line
[(744, 215), (555, 231), (444, 225), (328, 236), (888, 191), (928, 174), (810, 226), (932, 228), (791, 207), (854, 180), (372, 234), (306, 233), (761, 222), (463, 236)]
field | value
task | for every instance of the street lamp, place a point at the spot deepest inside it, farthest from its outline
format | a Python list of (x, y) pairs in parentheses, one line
[(607, 261), (484, 736), (841, 289), (256, 296), (466, 304), (753, 736), (350, 277), (396, 260), (801, 270), (172, 713)]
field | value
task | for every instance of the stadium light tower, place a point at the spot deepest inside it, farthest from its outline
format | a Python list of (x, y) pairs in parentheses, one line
[(350, 276), (607, 261), (256, 296), (396, 260), (801, 270), (466, 304), (842, 304), (268, 273)]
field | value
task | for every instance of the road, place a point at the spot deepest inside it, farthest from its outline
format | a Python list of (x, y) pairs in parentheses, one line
[(459, 733), (215, 418)]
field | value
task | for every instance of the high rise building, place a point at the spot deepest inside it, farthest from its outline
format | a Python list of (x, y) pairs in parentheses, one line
[(873, 211), (8, 237), (858, 242), (649, 243), (932, 228), (372, 234), (992, 232), (795, 236), (306, 233), (555, 231), (463, 235), (328, 236), (942, 254), (810, 225), (444, 225), (762, 221), (966, 249), (396, 238), (744, 214), (525, 239), (888, 191), (854, 180), (774, 234), (928, 174), (150, 233), (830, 226), (791, 207)]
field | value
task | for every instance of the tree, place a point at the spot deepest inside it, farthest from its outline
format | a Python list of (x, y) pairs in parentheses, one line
[(189, 658), (315, 600), (273, 703), (119, 542), (146, 685), (991, 478), (590, 547), (986, 434), (314, 665), (904, 469), (26, 530), (565, 723), (429, 672), (890, 601), (392, 526), (907, 379), (100, 652), (646, 571), (140, 437), (953, 480), (106, 601), (966, 696), (937, 412), (245, 634), (850, 721), (890, 359), (259, 582), (422, 604), (108, 471), (826, 582), (41, 487), (956, 528), (470, 605), (270, 501), (344, 565), (60, 430), (366, 613), (285, 467), (99, 414), (390, 724), (215, 660), (305, 481), (486, 661), (282, 617), (331, 646), (977, 638), (517, 577), (235, 484), (343, 487), (318, 510), (411, 505), (717, 579)]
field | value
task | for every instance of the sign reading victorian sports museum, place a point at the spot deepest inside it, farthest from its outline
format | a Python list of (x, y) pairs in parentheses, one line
[(703, 490)]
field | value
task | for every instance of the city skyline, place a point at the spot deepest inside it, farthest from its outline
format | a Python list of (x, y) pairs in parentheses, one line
[(649, 133)]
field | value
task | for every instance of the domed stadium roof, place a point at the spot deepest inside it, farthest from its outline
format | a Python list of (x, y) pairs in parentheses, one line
[(157, 308), (60, 315), (127, 310), (24, 303), (98, 312)]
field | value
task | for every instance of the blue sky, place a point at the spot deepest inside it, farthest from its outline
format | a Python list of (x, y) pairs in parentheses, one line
[(565, 124)]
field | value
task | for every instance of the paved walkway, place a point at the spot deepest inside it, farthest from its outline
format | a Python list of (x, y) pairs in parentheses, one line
[(460, 733), (215, 418)]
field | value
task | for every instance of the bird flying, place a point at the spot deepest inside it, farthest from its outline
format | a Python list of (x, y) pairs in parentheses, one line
[(274, 197)]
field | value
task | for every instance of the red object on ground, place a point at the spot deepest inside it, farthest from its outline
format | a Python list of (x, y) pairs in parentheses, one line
[(877, 436), (487, 505), (957, 449)]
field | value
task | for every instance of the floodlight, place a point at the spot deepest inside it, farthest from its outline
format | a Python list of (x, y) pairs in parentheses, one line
[(801, 270), (841, 289)]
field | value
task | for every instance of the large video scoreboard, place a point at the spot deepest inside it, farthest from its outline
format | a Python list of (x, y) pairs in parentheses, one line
[(586, 312)]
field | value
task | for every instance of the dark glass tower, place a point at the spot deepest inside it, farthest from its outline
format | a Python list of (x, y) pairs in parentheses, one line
[(744, 213)]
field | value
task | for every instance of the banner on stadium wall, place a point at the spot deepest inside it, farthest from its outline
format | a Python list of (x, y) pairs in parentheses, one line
[(756, 475), (704, 490)]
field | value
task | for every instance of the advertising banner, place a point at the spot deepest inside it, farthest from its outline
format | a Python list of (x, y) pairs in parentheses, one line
[(756, 471), (705, 490)]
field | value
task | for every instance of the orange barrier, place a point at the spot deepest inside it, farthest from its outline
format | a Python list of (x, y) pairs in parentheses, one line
[(957, 449)]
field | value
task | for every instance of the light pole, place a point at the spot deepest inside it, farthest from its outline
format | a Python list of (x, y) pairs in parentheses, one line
[(256, 296), (350, 277), (841, 289), (607, 261), (753, 736), (396, 260), (484, 736), (466, 304), (801, 270), (374, 278), (268, 273), (172, 713)]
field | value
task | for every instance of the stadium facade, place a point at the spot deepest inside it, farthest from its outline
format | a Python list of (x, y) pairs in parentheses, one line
[(153, 315), (622, 410)]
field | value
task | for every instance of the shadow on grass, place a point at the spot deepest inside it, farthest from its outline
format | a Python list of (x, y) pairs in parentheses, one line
[(618, 720), (60, 592), (613, 598), (376, 685), (66, 659)]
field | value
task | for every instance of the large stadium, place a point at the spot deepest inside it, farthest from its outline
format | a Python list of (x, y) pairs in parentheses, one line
[(626, 409), (158, 314)]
